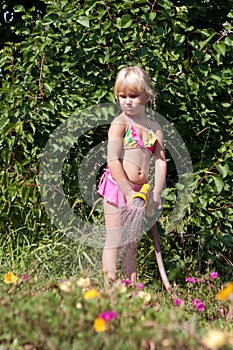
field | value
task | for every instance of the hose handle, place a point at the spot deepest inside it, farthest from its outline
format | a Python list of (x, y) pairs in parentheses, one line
[(143, 193)]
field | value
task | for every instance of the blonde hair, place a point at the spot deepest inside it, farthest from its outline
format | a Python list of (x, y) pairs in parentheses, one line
[(134, 79)]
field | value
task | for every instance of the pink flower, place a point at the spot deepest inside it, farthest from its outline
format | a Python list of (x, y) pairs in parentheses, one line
[(126, 282), (107, 315), (221, 312), (201, 280), (190, 279), (178, 301), (25, 278), (140, 286), (213, 275), (200, 306)]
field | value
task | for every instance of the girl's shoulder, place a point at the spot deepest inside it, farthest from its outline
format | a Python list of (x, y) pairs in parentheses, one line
[(157, 129), (155, 126), (120, 119), (118, 125)]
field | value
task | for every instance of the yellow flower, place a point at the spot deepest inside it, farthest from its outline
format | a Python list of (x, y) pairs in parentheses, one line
[(91, 294), (214, 339), (10, 278), (101, 325), (226, 292), (83, 282)]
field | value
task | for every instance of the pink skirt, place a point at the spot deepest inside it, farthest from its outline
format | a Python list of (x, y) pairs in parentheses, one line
[(111, 192)]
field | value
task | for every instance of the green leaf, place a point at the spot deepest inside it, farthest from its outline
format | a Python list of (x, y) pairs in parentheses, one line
[(3, 122), (152, 16), (19, 127), (229, 40), (220, 48), (179, 39), (230, 14), (219, 184), (228, 241), (203, 202), (124, 22), (210, 33), (48, 87), (19, 8), (223, 169), (226, 104), (67, 49), (206, 32), (84, 21), (5, 59)]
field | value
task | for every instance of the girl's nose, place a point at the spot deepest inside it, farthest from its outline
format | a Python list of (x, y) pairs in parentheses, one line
[(128, 100)]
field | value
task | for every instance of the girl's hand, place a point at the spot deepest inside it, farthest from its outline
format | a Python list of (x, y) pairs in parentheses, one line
[(157, 201), (154, 205), (129, 197), (154, 201)]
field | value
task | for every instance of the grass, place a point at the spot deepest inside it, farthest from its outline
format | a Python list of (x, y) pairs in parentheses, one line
[(74, 311)]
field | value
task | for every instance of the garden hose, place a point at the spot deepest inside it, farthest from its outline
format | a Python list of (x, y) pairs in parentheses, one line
[(160, 264), (140, 200), (159, 259)]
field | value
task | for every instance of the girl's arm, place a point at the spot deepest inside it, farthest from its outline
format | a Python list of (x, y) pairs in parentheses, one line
[(160, 170)]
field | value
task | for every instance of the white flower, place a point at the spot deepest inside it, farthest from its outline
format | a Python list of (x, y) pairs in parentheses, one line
[(83, 282), (214, 339), (144, 295), (79, 305), (65, 286)]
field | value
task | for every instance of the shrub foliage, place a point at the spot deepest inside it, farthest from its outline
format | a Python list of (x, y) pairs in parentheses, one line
[(60, 57)]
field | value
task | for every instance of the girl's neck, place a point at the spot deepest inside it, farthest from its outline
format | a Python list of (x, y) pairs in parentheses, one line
[(139, 120), (140, 116)]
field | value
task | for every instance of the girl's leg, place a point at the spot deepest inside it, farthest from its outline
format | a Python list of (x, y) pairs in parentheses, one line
[(112, 217)]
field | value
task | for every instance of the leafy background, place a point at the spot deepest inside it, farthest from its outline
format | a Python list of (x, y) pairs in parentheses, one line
[(60, 57)]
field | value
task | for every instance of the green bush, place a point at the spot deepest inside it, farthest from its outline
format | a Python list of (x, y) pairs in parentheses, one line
[(59, 58)]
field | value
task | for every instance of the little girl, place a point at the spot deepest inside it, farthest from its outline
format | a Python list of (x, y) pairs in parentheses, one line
[(133, 137)]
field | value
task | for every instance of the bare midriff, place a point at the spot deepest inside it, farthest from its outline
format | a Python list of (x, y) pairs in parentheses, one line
[(136, 163)]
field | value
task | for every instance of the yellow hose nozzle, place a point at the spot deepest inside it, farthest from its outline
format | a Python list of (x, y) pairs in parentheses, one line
[(140, 198)]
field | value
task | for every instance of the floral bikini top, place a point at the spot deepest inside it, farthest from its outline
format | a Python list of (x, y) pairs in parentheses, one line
[(133, 140)]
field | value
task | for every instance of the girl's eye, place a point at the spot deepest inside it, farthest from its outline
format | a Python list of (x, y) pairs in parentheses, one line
[(131, 96)]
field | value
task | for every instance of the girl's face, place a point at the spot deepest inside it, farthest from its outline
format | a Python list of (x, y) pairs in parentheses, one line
[(133, 104)]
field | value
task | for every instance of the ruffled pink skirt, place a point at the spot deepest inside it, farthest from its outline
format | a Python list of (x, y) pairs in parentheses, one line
[(110, 191)]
